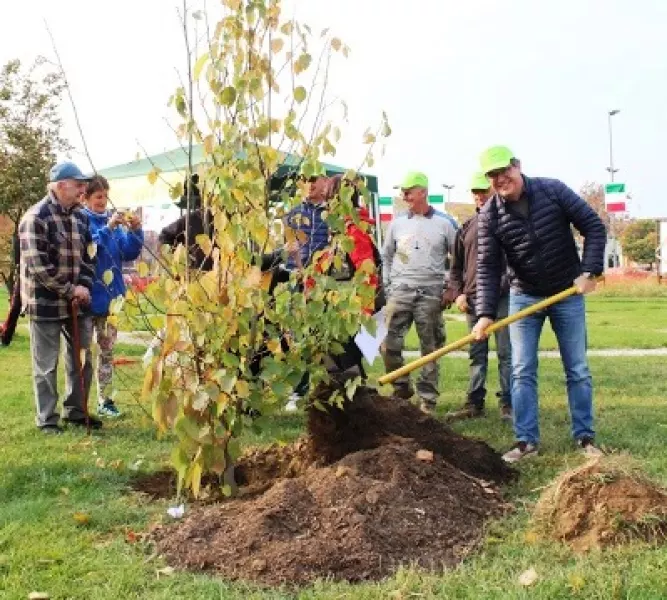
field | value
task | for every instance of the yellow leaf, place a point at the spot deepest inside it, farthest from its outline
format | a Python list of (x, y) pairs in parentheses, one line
[(277, 45), (107, 277), (238, 195), (199, 65), (209, 143), (300, 94), (153, 175), (369, 138), (204, 242), (531, 537), (274, 346), (336, 44), (228, 96), (346, 51), (112, 320), (81, 518), (142, 269), (38, 596), (577, 582), (287, 27), (196, 479), (242, 389), (92, 250), (302, 63)]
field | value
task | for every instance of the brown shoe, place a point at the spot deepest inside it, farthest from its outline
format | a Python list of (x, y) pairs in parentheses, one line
[(405, 393), (469, 411), (506, 413)]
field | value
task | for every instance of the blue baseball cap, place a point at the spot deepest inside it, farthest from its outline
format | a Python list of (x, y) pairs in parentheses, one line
[(67, 170)]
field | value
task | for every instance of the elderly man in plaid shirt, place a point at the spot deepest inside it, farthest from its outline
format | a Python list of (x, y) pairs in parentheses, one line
[(57, 269)]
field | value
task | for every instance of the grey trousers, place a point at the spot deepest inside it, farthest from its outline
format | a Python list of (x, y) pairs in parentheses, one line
[(45, 350), (479, 361), (423, 306)]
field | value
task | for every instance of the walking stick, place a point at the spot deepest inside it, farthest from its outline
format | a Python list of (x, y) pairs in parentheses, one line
[(76, 342), (468, 339)]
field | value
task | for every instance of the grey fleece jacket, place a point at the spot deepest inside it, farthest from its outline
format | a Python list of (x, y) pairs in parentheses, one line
[(415, 249)]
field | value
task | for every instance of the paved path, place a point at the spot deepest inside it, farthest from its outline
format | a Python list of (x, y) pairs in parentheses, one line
[(141, 338)]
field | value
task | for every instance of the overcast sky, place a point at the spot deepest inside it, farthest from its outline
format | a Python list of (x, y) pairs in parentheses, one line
[(453, 77)]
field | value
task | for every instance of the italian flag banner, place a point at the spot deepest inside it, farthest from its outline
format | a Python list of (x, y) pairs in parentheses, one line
[(615, 198)]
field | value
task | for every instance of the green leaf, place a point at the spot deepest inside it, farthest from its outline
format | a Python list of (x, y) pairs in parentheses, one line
[(300, 94), (302, 63), (228, 96), (199, 65), (107, 277)]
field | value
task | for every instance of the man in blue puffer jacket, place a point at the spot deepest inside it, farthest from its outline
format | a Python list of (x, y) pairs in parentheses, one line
[(530, 219), (118, 239)]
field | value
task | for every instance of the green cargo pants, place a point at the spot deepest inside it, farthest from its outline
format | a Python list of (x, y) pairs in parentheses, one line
[(423, 306)]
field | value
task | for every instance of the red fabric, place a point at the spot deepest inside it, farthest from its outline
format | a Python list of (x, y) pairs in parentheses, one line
[(362, 251)]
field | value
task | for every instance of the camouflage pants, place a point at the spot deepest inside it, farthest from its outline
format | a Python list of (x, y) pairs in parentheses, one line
[(105, 335), (423, 306)]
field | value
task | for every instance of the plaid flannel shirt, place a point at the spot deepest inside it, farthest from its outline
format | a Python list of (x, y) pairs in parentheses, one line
[(55, 258)]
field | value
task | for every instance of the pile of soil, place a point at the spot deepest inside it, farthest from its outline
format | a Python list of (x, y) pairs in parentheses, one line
[(603, 503), (375, 485)]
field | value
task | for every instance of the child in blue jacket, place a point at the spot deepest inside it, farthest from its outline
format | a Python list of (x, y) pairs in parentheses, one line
[(119, 238)]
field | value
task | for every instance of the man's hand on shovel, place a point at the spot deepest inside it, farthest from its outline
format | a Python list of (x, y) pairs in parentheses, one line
[(479, 330)]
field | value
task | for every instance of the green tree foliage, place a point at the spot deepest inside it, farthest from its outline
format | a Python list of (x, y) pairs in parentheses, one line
[(264, 96), (30, 137), (640, 241)]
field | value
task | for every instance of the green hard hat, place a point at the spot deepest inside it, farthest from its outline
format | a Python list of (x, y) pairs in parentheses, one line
[(414, 179), (496, 157), (479, 182)]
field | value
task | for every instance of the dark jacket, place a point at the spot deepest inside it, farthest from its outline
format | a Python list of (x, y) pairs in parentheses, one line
[(307, 219), (463, 274), (174, 234), (540, 248)]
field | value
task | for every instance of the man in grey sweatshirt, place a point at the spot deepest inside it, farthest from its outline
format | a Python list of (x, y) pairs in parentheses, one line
[(413, 259)]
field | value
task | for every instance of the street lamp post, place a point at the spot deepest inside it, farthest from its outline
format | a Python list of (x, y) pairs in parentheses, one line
[(611, 168), (612, 171), (449, 191)]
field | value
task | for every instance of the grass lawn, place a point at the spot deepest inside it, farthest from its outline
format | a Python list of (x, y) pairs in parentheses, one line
[(613, 322), (46, 481)]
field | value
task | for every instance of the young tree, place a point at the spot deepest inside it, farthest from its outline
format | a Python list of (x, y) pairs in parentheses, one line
[(640, 242), (30, 137), (230, 349)]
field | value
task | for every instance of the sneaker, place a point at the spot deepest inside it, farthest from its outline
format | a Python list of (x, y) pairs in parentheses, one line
[(51, 430), (520, 450), (469, 411), (588, 448), (81, 422), (291, 406), (506, 413), (108, 409)]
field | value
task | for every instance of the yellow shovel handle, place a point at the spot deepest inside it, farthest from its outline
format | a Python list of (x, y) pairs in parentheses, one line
[(468, 339)]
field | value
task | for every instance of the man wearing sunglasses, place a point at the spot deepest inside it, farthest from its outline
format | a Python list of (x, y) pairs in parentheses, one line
[(530, 219)]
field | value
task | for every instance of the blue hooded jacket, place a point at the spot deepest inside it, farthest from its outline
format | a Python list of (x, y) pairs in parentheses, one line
[(114, 247)]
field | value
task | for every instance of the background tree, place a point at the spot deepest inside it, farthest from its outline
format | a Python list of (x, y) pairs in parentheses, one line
[(640, 241), (30, 137), (230, 349)]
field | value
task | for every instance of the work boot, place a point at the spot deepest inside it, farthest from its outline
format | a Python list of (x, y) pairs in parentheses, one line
[(469, 411), (588, 448), (404, 392), (81, 422), (506, 413), (519, 451)]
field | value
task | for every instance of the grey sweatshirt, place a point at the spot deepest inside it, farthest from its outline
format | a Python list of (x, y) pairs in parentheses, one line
[(415, 249)]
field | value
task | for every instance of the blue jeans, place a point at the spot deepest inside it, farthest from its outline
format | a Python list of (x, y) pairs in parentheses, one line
[(568, 320)]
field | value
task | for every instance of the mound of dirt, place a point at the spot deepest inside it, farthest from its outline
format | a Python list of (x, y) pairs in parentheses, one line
[(603, 503), (373, 486), (355, 520)]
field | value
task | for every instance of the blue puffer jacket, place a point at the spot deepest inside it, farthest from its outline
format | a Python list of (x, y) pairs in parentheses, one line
[(113, 249), (540, 249), (307, 219)]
